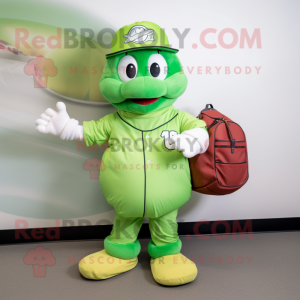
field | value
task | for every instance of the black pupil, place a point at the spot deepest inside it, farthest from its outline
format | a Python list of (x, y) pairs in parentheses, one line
[(155, 70), (131, 71)]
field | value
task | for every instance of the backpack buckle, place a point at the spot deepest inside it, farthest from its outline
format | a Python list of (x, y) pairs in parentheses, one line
[(232, 145)]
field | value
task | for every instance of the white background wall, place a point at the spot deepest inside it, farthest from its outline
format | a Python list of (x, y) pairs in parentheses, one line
[(42, 178)]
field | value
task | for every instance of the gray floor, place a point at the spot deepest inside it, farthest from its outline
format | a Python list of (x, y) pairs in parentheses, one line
[(273, 272)]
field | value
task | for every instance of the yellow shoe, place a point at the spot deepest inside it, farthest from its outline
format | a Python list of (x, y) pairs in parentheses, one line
[(173, 269), (101, 265)]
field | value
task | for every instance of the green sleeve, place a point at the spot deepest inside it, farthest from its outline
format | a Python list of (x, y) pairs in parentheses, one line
[(98, 132), (188, 122)]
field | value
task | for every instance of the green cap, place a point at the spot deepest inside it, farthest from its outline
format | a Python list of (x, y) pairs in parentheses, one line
[(140, 35)]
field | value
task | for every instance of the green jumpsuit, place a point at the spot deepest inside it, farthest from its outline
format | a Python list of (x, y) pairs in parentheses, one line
[(141, 176)]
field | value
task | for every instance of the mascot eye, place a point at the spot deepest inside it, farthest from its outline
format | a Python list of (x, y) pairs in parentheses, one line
[(158, 67), (155, 70), (131, 71), (127, 68)]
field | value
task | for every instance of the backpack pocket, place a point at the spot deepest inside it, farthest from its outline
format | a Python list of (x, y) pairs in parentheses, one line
[(225, 154), (231, 165), (231, 174)]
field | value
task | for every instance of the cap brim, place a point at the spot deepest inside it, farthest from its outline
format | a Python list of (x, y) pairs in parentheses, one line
[(143, 48)]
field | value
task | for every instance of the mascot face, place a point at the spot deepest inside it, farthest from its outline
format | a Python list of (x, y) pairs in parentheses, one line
[(143, 81)]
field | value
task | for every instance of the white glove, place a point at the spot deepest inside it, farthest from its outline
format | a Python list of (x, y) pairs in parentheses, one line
[(191, 142), (59, 123)]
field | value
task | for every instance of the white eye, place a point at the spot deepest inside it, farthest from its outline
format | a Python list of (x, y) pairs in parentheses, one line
[(127, 68), (157, 66)]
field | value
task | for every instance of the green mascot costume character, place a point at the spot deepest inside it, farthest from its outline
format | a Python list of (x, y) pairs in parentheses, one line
[(146, 164)]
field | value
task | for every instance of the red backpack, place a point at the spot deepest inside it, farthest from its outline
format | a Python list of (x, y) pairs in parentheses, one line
[(223, 168)]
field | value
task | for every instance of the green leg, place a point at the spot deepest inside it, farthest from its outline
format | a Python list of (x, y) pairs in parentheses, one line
[(165, 239), (169, 267), (122, 242)]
